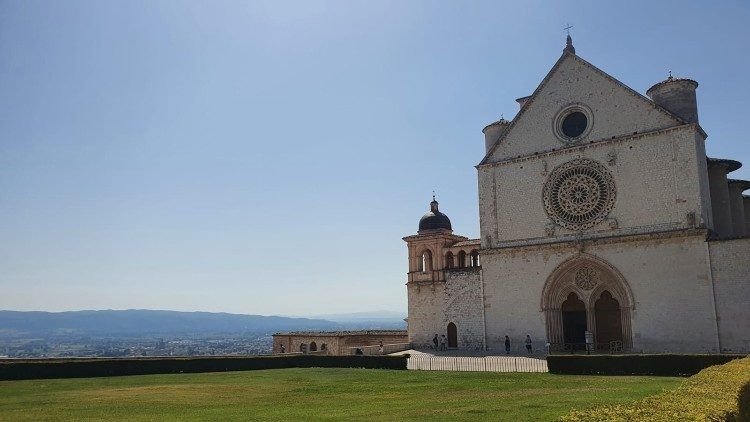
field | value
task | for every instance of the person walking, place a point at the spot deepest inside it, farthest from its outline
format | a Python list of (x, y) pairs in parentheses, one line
[(507, 345), (443, 342), (282, 348), (380, 347), (528, 344), (435, 341)]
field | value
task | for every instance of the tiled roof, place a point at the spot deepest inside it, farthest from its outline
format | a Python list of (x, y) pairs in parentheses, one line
[(732, 165), (470, 242)]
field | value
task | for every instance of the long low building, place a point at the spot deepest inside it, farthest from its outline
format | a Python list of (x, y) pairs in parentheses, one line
[(335, 342)]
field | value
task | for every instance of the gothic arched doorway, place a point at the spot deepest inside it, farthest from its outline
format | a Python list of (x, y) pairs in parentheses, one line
[(452, 335), (587, 293), (574, 322), (608, 319)]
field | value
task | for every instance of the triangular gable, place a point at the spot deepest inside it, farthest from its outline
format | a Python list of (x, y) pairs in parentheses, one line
[(665, 116)]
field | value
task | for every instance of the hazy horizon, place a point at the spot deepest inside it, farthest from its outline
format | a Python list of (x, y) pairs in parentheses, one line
[(268, 157), (363, 314)]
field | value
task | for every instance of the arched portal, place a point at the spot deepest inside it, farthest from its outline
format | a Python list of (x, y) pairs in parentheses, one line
[(452, 335), (590, 279), (313, 347), (574, 322), (608, 319)]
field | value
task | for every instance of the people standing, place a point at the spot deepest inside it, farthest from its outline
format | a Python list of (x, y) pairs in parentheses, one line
[(435, 341), (443, 342), (528, 344), (507, 345), (281, 346), (380, 347)]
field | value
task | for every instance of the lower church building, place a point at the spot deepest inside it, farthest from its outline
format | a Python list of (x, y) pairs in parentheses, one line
[(601, 215)]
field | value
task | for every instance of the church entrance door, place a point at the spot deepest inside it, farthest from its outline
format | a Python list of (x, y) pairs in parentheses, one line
[(452, 335), (574, 322), (608, 320)]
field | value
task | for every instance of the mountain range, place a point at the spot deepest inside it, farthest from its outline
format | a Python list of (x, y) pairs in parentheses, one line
[(139, 322)]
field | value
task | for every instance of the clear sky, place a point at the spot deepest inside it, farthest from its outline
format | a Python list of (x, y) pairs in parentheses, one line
[(267, 157)]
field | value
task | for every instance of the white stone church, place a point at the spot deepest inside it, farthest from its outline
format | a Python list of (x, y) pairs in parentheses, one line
[(599, 211)]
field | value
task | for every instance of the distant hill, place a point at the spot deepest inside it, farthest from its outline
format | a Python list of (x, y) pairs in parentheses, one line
[(375, 319), (14, 324)]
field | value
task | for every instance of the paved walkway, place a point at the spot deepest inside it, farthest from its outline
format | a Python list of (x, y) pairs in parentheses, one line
[(458, 361)]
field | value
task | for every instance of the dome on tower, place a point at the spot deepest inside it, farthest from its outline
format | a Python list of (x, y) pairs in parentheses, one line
[(434, 220)]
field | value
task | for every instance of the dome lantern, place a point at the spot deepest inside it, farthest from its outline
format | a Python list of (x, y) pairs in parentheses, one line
[(434, 221)]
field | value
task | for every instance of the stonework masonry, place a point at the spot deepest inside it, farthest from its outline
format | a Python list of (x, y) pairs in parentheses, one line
[(599, 212), (730, 267), (337, 343)]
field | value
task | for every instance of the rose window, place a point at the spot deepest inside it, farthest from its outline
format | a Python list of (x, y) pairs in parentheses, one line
[(579, 194), (586, 278)]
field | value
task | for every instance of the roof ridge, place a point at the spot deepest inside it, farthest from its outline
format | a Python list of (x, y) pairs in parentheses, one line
[(546, 79), (524, 107)]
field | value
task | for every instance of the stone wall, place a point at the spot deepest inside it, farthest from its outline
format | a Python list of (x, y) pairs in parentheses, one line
[(730, 267), (336, 342), (426, 312), (659, 179), (464, 307), (668, 277)]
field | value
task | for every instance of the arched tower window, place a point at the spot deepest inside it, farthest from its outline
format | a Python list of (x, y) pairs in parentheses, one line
[(461, 259), (426, 263), (449, 260), (474, 258)]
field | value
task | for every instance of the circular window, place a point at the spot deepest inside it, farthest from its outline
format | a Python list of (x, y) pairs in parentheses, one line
[(579, 194), (573, 123)]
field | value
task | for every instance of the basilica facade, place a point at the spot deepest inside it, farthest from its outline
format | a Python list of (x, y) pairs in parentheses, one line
[(601, 216)]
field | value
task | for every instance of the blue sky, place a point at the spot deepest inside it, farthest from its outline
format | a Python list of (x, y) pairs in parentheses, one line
[(268, 156)]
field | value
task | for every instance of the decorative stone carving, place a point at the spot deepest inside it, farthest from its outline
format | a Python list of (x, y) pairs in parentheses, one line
[(549, 229), (579, 194), (613, 223), (586, 278)]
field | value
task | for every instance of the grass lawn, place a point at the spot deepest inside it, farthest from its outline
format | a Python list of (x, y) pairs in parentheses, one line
[(291, 394)]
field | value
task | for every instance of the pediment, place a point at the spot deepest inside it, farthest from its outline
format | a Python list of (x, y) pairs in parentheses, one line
[(573, 85)]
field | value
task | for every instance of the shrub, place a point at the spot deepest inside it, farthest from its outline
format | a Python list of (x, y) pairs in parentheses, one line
[(75, 368), (718, 393), (664, 365)]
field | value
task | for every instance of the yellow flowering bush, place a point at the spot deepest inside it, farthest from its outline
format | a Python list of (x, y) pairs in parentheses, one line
[(717, 393)]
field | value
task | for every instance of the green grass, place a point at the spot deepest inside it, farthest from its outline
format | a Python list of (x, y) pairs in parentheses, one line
[(291, 394)]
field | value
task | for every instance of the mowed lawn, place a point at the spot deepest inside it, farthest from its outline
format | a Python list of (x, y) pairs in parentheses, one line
[(290, 394)]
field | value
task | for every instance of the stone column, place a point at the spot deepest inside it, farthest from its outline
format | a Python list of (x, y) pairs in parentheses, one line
[(554, 326), (720, 205), (737, 206)]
